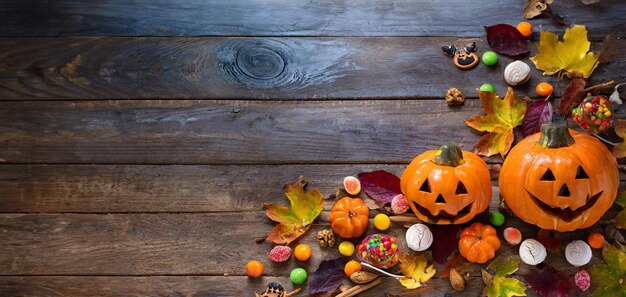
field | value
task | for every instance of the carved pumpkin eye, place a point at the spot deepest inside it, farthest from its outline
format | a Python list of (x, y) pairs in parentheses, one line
[(581, 174), (425, 187), (548, 176), (460, 189)]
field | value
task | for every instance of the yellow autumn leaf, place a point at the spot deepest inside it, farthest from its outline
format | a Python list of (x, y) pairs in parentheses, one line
[(571, 55), (619, 151), (295, 220), (416, 271), (501, 116)]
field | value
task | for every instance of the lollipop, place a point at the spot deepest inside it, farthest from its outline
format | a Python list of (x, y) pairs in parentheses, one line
[(379, 250), (594, 114)]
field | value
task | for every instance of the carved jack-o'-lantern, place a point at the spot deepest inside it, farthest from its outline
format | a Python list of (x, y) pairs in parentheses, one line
[(447, 186), (559, 179)]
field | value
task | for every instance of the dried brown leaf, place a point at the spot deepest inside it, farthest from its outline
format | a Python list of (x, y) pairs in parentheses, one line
[(572, 96), (611, 49)]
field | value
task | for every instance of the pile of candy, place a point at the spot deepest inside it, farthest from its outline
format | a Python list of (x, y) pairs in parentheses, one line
[(379, 250), (594, 114)]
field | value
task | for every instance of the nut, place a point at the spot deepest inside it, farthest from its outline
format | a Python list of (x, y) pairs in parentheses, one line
[(456, 280), (326, 238), (363, 277), (454, 97)]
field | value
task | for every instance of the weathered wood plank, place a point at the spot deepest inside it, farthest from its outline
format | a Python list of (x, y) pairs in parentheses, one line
[(198, 286), (184, 132), (277, 18), (248, 68), (230, 132), (172, 244), (177, 188)]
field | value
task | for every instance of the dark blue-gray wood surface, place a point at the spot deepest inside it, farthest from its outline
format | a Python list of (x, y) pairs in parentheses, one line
[(138, 139)]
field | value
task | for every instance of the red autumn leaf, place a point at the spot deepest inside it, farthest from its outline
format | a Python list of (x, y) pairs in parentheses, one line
[(572, 96), (454, 261), (445, 241), (328, 276), (537, 114), (506, 39), (380, 185), (550, 282), (550, 240)]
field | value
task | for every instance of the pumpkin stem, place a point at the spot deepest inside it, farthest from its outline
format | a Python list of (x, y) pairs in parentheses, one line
[(450, 154), (555, 135)]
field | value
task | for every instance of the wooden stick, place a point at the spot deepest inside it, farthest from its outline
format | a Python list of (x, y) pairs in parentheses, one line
[(359, 289), (600, 87), (404, 219), (293, 293)]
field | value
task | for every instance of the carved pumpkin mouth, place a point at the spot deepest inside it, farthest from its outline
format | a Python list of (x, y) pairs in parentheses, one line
[(443, 216), (566, 214)]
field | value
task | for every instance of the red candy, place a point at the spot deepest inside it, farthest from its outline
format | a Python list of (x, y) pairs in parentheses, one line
[(582, 280)]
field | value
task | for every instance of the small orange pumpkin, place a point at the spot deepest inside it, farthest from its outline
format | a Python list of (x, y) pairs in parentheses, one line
[(559, 179), (447, 186), (349, 217), (479, 243)]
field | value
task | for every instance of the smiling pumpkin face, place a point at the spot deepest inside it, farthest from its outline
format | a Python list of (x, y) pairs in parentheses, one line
[(447, 186), (559, 179)]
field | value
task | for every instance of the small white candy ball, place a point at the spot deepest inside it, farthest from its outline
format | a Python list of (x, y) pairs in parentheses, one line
[(532, 252), (578, 253), (419, 237)]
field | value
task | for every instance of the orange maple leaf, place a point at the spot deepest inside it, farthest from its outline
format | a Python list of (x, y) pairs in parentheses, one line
[(501, 116)]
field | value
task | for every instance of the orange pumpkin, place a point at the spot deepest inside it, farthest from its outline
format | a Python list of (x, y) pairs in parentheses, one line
[(479, 243), (349, 217), (559, 179), (447, 186)]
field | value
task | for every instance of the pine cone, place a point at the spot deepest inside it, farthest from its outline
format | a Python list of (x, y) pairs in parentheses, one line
[(326, 238), (454, 97)]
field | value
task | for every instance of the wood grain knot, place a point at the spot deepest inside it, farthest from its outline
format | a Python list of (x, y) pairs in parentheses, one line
[(259, 63)]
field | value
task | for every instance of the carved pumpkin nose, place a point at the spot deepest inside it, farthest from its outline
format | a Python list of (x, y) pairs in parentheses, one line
[(440, 199), (564, 191)]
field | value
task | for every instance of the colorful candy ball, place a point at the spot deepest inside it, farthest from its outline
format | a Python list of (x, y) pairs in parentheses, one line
[(490, 58), (594, 114), (487, 88), (525, 28), (544, 89), (379, 250), (298, 276)]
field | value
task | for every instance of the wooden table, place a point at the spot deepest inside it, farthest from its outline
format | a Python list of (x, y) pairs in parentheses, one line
[(138, 140)]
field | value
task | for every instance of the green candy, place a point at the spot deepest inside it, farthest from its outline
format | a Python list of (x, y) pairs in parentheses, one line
[(490, 58), (496, 218), (487, 88), (298, 276)]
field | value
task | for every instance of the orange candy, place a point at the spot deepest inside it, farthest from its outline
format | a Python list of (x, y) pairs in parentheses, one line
[(254, 268), (352, 267), (544, 89), (595, 240), (302, 252), (525, 28)]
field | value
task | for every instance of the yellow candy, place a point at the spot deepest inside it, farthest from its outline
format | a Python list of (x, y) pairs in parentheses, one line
[(601, 101), (588, 104), (607, 114)]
